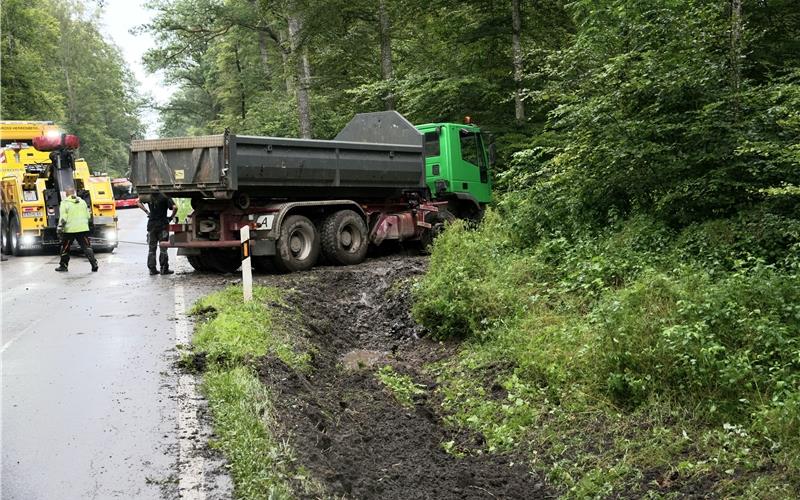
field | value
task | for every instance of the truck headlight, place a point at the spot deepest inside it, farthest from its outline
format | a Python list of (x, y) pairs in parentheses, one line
[(27, 239), (110, 235)]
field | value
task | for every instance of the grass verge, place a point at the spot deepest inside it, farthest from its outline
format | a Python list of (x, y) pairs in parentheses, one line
[(230, 336)]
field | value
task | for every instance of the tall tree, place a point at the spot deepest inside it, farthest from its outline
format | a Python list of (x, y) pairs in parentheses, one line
[(57, 66), (516, 27), (386, 52), (28, 40)]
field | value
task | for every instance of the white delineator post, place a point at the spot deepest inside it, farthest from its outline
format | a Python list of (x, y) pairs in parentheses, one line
[(247, 271)]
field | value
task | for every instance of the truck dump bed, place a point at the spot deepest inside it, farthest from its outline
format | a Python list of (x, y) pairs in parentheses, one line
[(377, 155)]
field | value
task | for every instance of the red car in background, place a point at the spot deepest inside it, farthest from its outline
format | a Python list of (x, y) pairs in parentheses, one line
[(124, 194)]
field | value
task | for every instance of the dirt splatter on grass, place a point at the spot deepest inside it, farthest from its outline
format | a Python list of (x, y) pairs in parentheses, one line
[(348, 431)]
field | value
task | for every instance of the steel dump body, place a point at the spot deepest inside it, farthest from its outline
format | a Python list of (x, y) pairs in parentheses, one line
[(269, 167)]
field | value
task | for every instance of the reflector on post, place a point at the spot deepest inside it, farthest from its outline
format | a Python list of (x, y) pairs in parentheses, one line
[(247, 272)]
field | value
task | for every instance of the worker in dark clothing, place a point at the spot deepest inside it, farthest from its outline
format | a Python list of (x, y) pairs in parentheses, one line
[(157, 230), (73, 224)]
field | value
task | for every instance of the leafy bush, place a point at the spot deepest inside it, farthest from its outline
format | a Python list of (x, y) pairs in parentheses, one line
[(467, 291), (730, 344), (630, 321)]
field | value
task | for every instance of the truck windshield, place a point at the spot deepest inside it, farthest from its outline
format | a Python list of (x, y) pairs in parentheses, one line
[(472, 152), (471, 148)]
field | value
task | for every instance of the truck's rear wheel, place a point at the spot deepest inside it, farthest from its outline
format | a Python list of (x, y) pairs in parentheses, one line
[(222, 260), (297, 249), (197, 263), (345, 239)]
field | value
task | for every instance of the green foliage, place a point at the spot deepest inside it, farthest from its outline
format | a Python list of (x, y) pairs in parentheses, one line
[(730, 344), (233, 331), (184, 208), (653, 108), (609, 330), (57, 66), (239, 68), (402, 387), (30, 33)]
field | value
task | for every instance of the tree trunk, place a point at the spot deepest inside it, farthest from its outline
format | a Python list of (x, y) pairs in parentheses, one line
[(288, 73), (386, 54), (302, 77), (263, 41), (736, 49), (264, 53), (242, 102), (516, 25)]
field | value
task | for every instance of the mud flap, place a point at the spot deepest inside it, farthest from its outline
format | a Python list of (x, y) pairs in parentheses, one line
[(263, 248)]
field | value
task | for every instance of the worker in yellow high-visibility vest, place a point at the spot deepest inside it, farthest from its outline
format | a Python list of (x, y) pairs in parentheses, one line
[(73, 224)]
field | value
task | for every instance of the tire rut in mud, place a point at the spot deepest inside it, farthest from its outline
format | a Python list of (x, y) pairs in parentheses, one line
[(344, 427)]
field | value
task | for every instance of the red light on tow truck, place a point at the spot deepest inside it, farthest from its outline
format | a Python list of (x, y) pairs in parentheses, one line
[(53, 143), (105, 206)]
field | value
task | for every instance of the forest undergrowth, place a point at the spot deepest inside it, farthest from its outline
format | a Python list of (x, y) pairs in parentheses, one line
[(631, 360)]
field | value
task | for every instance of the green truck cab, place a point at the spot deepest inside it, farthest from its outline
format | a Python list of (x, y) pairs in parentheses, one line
[(457, 166)]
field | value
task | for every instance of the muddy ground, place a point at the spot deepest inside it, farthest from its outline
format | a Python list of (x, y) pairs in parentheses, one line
[(344, 426)]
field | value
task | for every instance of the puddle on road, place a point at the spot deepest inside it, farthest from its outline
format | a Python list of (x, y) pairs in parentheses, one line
[(361, 359)]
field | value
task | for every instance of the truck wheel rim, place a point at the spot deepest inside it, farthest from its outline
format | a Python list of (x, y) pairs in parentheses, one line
[(299, 244), (350, 238), (347, 237)]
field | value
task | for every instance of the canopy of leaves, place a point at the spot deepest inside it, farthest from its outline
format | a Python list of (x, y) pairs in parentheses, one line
[(57, 66)]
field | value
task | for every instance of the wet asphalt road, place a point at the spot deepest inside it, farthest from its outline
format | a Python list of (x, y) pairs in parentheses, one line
[(88, 383)]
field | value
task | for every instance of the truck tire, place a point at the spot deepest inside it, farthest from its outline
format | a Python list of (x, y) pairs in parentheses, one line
[(222, 260), (197, 263), (297, 248), (5, 245), (13, 230), (438, 221), (345, 238)]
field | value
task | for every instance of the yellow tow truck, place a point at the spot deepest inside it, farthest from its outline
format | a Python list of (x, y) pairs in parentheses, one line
[(33, 183)]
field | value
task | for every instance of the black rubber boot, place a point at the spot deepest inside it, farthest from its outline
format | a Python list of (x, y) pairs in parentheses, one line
[(166, 270), (62, 268), (153, 272)]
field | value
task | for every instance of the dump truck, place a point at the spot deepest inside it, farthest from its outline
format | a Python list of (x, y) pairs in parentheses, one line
[(381, 178), (33, 180)]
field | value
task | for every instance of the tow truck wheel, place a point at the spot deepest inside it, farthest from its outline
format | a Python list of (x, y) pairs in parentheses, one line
[(222, 260), (14, 231), (5, 246), (297, 249), (345, 238)]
